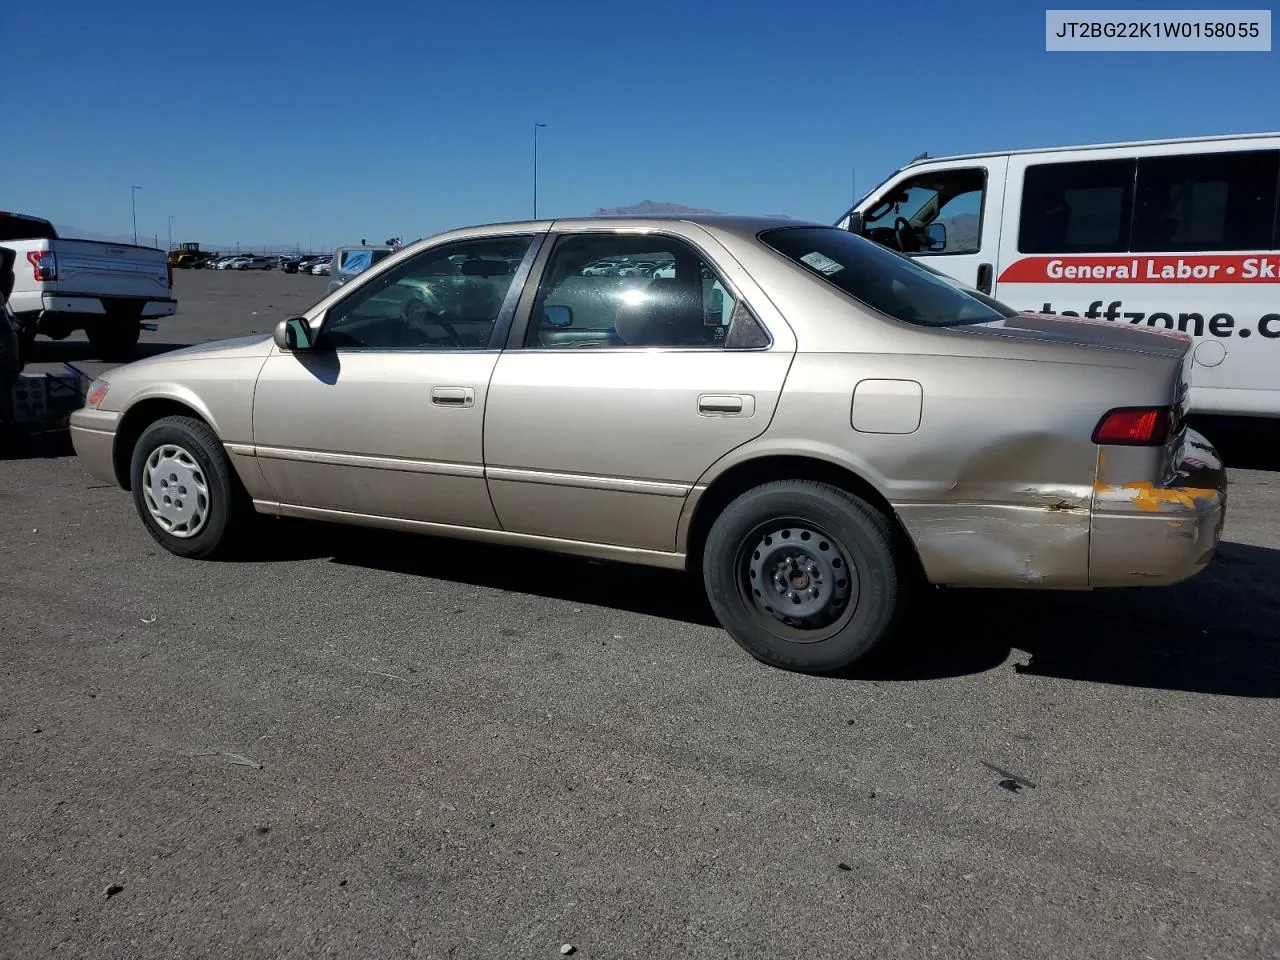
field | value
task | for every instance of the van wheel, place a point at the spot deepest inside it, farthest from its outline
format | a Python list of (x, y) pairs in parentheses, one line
[(114, 337), (185, 490), (804, 576)]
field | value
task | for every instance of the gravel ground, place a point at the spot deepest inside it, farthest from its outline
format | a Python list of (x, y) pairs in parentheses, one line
[(368, 745)]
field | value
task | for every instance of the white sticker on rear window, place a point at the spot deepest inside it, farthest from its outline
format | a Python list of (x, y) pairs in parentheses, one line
[(821, 263)]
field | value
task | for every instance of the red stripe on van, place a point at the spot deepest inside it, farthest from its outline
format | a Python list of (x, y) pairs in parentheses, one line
[(1188, 268)]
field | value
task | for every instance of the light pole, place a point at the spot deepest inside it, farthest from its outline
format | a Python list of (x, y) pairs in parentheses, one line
[(535, 168), (133, 202), (171, 231)]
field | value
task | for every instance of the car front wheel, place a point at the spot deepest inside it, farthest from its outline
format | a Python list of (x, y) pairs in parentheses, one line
[(804, 575), (185, 489)]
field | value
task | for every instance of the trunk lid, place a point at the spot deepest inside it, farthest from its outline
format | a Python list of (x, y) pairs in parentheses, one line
[(1086, 332), (109, 269)]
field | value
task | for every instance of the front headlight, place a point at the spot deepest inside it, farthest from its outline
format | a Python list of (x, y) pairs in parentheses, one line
[(97, 393)]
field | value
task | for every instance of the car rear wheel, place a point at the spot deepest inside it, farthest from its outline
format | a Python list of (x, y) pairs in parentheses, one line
[(114, 337), (185, 489), (804, 575)]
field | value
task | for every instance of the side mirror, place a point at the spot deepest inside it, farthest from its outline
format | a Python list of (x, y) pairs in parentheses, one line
[(855, 223), (294, 334), (558, 316), (936, 236)]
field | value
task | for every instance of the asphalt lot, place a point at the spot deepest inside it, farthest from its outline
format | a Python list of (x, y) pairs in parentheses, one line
[(360, 745)]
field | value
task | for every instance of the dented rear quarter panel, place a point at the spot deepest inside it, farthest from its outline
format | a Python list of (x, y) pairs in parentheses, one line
[(997, 485)]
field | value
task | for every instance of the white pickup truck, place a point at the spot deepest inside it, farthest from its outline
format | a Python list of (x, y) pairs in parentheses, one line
[(108, 290)]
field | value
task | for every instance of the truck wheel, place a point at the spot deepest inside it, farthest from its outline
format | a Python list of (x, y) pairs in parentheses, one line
[(804, 576), (114, 337), (186, 491)]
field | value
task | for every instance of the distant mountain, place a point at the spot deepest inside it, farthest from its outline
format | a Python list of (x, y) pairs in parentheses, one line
[(962, 230), (75, 233), (652, 208)]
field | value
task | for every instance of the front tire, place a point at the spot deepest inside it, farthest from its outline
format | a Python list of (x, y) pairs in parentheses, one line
[(115, 338), (185, 490), (804, 575)]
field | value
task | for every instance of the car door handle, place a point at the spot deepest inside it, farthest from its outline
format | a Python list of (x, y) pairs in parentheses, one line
[(726, 405), (453, 396)]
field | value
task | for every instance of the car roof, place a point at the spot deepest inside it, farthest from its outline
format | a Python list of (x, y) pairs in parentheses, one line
[(1120, 144), (742, 226)]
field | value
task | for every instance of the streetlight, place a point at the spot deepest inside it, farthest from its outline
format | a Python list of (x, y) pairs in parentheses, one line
[(535, 168), (133, 202), (171, 231)]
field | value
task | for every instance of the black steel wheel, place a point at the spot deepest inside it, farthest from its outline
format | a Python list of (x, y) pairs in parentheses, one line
[(804, 575)]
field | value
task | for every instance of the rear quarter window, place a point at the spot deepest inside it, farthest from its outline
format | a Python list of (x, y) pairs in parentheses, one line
[(891, 284), (25, 228)]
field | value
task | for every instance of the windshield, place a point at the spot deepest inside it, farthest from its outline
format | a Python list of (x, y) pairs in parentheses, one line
[(885, 281)]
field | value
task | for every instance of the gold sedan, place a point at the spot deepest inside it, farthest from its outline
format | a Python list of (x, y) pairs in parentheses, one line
[(810, 422)]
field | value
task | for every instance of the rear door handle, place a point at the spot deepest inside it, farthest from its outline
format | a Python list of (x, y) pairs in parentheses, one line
[(453, 396), (726, 405)]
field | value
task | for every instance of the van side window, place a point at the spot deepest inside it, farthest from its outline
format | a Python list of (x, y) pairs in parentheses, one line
[(951, 199), (1206, 201), (1076, 207)]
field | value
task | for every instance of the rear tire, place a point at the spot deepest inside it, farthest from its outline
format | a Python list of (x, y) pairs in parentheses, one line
[(115, 338), (186, 491), (804, 575)]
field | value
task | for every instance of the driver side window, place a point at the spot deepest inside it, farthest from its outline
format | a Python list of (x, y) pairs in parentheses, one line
[(937, 212), (446, 298)]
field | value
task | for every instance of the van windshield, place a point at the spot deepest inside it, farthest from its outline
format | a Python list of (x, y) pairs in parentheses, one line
[(885, 281)]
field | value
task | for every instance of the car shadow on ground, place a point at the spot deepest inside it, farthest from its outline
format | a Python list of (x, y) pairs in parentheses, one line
[(26, 443), (1217, 633), (644, 590), (82, 351)]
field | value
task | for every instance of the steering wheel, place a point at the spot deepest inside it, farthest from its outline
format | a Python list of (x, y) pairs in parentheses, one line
[(905, 236), (419, 316)]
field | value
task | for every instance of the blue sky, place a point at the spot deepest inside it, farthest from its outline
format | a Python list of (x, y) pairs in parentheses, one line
[(325, 122)]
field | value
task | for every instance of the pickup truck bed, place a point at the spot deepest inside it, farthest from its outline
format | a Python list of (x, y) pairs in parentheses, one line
[(63, 285)]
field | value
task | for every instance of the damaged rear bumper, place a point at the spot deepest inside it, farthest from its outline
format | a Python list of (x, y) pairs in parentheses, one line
[(1149, 534)]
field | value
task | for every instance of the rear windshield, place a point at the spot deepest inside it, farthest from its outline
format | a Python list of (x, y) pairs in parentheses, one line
[(883, 280), (24, 228)]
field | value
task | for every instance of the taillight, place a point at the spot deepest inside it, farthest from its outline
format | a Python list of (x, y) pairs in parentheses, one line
[(44, 265), (1134, 427)]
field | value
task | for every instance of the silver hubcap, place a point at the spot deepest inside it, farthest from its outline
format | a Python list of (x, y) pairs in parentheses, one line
[(176, 491)]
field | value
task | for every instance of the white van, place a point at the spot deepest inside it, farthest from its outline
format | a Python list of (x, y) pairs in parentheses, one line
[(1179, 234)]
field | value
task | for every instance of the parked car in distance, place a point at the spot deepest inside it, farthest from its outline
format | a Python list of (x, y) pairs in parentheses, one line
[(61, 285), (810, 422), (256, 263), (299, 264), (320, 268)]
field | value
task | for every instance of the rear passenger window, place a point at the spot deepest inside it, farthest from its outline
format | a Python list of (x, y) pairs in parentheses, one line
[(1076, 207), (614, 291), (1206, 201)]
